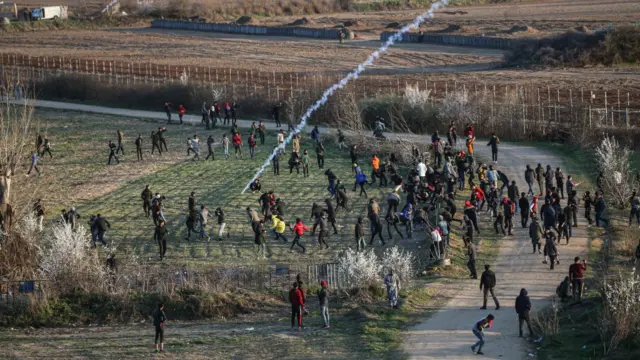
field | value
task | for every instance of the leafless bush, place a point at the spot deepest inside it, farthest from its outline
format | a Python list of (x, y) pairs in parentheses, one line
[(547, 321), (620, 316), (415, 97), (68, 262), (618, 181), (458, 107)]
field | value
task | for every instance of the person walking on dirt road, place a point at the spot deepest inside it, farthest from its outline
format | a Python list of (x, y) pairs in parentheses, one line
[(478, 331), (471, 263), (493, 142), (487, 284), (576, 276), (167, 110), (523, 307)]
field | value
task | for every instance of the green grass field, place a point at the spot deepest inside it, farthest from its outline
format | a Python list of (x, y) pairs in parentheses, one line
[(78, 176)]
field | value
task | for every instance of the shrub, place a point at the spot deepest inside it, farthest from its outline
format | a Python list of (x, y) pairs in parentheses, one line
[(68, 262), (620, 317), (618, 181), (402, 262), (360, 269)]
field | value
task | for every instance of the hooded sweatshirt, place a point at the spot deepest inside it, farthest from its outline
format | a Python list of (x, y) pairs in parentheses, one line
[(523, 304)]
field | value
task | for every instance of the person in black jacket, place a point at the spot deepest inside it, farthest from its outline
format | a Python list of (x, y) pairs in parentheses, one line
[(523, 307), (112, 153), (540, 177), (102, 225), (211, 154), (159, 319), (192, 201), (139, 147), (146, 196), (161, 139), (529, 178), (493, 142), (512, 193), (599, 206), (524, 210), (160, 235), (487, 283), (588, 202), (550, 249), (331, 214), (155, 143)]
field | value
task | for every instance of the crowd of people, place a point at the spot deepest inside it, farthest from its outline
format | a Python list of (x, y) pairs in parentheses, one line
[(423, 199)]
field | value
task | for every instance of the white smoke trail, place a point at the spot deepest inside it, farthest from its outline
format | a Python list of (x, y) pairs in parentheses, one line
[(113, 2), (351, 76)]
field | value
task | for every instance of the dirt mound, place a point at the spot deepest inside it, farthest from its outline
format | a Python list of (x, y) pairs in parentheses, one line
[(582, 29), (303, 21), (458, 12), (393, 25), (520, 29), (244, 20), (453, 28), (350, 23)]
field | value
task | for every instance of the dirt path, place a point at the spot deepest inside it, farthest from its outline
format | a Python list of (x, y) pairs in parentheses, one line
[(447, 334)]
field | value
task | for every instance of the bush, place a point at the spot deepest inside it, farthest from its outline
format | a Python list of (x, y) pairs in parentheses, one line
[(620, 317), (360, 269), (621, 45), (618, 181), (402, 262)]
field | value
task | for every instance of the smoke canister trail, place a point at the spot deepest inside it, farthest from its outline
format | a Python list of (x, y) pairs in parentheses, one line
[(351, 76)]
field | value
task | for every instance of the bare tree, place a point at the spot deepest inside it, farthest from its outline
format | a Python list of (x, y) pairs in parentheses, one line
[(17, 130)]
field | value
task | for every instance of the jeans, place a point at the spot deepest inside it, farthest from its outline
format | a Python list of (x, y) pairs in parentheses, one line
[(226, 152), (361, 243), (521, 319), (203, 231), (296, 241), (531, 190), (578, 286), (251, 151), (480, 336), (599, 218), (325, 315)]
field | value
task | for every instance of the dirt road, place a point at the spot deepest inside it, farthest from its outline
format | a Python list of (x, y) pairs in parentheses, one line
[(447, 334)]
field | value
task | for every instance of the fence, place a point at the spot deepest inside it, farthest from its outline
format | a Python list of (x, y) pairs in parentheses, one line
[(247, 29), (457, 40)]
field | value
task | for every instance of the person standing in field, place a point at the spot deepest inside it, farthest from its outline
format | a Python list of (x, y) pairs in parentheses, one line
[(34, 164), (261, 130), (297, 306), (323, 299), (167, 110), (161, 139), (159, 319), (204, 216), (211, 154), (225, 146), (146, 197), (181, 111), (160, 235), (205, 112), (540, 177), (215, 116), (576, 276), (195, 144), (39, 210), (155, 143), (237, 144), (219, 214), (493, 142), (112, 153), (452, 136), (276, 161), (252, 144), (46, 148), (359, 232), (139, 147), (227, 113), (392, 283)]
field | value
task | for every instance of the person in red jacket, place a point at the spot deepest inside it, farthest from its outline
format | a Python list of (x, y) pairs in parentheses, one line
[(297, 306), (479, 196), (181, 111), (468, 131), (252, 144), (237, 143), (299, 228)]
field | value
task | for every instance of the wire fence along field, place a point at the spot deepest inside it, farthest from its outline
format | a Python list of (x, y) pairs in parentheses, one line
[(512, 110)]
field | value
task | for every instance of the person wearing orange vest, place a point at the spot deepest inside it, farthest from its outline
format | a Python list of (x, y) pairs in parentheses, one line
[(375, 168), (470, 141)]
